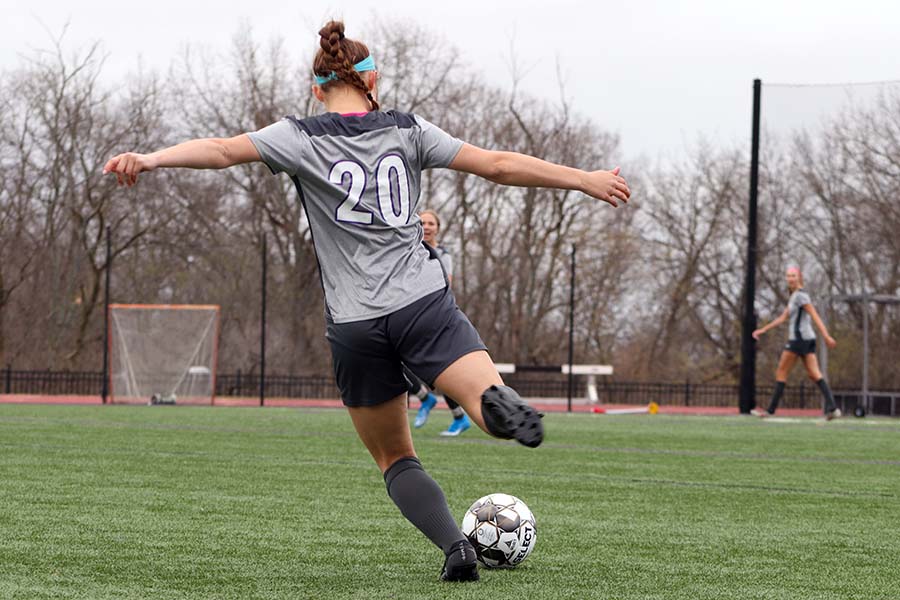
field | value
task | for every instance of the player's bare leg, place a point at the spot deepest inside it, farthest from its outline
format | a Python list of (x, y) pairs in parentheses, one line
[(384, 430), (785, 364), (811, 363), (473, 381)]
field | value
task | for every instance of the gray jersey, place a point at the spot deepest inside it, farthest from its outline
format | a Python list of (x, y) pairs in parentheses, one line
[(801, 323), (446, 259), (359, 178)]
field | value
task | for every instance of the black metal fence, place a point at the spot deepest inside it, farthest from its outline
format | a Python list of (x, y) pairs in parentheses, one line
[(703, 395), (51, 382), (529, 385), (277, 386)]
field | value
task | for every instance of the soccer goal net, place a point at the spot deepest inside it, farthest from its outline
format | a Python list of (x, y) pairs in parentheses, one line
[(163, 354)]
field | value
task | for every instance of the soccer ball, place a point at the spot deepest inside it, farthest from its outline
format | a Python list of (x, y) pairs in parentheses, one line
[(502, 530)]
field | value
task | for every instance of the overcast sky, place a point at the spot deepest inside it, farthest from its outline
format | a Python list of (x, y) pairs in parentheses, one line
[(660, 73)]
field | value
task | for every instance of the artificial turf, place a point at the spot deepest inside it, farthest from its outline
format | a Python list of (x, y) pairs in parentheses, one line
[(178, 502)]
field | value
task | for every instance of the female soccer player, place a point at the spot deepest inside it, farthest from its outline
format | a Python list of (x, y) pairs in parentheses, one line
[(357, 171), (801, 343), (431, 226)]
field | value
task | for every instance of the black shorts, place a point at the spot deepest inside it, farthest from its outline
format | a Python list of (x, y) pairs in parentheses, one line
[(428, 336), (801, 347)]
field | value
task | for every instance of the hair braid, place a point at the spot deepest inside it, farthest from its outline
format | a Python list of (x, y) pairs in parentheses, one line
[(338, 54)]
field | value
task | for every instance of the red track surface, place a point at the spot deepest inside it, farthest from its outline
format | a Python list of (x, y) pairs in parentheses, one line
[(542, 404)]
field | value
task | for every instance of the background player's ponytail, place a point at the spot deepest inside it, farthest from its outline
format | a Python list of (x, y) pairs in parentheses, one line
[(338, 54)]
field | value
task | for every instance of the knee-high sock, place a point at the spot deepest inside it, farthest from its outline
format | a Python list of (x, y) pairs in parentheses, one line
[(455, 408), (826, 392), (422, 502), (776, 397)]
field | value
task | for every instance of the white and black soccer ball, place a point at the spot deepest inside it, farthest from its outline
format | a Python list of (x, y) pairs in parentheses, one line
[(502, 530)]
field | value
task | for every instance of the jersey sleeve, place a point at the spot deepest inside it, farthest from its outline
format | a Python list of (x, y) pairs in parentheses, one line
[(802, 299), (281, 146), (436, 147), (447, 261)]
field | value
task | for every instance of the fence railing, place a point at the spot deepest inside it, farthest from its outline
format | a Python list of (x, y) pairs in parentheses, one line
[(685, 393), (51, 382), (277, 386)]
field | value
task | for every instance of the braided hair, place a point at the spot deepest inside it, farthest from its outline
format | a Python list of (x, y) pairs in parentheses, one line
[(338, 54)]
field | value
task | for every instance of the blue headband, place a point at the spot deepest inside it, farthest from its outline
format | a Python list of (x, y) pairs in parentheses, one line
[(366, 64)]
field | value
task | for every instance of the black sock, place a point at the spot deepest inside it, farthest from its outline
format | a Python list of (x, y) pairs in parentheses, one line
[(417, 390), (422, 502), (455, 409), (826, 392), (776, 397)]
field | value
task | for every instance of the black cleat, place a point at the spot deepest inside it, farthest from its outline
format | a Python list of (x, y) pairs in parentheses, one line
[(507, 416), (460, 564)]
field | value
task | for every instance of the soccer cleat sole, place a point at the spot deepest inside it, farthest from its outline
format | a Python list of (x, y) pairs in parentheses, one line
[(462, 573), (519, 421), (527, 428)]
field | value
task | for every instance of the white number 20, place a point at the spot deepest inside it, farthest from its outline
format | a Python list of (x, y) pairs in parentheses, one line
[(389, 167)]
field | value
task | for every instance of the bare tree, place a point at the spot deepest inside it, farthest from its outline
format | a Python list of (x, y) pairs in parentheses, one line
[(64, 124)]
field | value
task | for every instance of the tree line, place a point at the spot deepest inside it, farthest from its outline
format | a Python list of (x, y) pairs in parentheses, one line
[(658, 288)]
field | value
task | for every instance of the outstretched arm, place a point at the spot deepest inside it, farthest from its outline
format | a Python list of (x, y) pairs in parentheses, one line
[(210, 153), (778, 321), (512, 168), (820, 325)]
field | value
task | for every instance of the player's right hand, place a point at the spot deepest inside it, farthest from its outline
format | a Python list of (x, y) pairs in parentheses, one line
[(608, 186), (127, 166), (756, 334)]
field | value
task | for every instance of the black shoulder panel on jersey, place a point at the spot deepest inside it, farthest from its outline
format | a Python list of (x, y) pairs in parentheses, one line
[(403, 120), (334, 124)]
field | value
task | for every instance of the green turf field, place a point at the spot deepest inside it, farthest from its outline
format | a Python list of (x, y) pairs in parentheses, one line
[(173, 502)]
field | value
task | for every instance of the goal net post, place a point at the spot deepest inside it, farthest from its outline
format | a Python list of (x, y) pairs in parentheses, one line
[(163, 353)]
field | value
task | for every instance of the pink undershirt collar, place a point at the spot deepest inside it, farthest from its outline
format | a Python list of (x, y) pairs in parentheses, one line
[(354, 114)]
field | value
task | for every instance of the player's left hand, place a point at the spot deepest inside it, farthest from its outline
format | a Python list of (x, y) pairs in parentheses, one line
[(608, 186), (127, 166), (830, 342)]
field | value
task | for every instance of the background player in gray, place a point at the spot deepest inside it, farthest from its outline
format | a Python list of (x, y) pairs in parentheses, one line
[(801, 315), (431, 227), (357, 171)]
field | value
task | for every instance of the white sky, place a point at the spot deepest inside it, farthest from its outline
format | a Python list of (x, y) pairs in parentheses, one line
[(660, 73)]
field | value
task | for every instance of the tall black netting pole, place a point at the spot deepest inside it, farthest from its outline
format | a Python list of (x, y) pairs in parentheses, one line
[(748, 346), (571, 382), (104, 389), (262, 325)]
